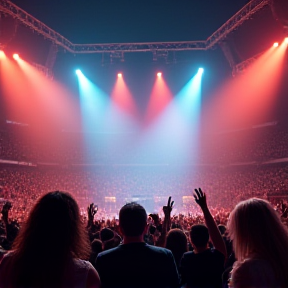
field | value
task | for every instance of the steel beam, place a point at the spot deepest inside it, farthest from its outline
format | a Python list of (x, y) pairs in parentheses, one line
[(236, 21), (7, 7)]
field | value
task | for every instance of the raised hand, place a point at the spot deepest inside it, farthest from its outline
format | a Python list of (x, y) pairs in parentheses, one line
[(200, 198), (92, 210), (215, 236), (167, 209)]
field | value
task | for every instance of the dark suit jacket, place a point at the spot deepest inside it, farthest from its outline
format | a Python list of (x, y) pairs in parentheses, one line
[(137, 265)]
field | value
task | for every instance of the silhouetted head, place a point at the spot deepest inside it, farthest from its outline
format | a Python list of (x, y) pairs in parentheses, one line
[(199, 235), (256, 229), (52, 235), (254, 226), (176, 242), (54, 224), (132, 220)]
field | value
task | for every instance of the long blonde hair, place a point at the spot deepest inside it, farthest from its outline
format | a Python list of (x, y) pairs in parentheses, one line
[(256, 229)]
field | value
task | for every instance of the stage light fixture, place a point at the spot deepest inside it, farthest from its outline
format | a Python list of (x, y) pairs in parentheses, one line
[(286, 40), (119, 75), (159, 74), (200, 70), (16, 56), (276, 44), (78, 72)]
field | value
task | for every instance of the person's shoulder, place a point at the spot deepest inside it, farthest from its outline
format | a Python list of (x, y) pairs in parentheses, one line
[(80, 263), (253, 271), (109, 252), (159, 250), (189, 254), (216, 253), (251, 264)]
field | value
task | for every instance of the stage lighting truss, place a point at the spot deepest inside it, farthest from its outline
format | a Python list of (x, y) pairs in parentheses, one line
[(117, 57), (240, 68), (117, 50), (44, 70), (160, 54), (236, 21), (7, 7), (168, 56)]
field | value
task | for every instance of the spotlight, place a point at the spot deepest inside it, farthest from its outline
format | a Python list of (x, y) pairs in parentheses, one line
[(2, 54), (16, 56), (286, 40), (78, 72), (119, 75), (276, 44), (200, 70), (159, 74)]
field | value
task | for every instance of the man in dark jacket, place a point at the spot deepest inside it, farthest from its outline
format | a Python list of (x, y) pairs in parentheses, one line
[(135, 263)]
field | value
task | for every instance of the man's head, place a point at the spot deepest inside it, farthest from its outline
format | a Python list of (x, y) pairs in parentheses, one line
[(132, 220), (199, 236)]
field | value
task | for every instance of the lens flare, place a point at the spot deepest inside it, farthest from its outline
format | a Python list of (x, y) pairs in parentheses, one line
[(119, 75), (276, 44), (159, 74)]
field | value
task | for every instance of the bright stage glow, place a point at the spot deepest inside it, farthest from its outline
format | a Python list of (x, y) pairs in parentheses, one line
[(276, 44), (160, 97), (286, 40), (16, 56), (2, 54), (254, 93), (78, 72), (94, 104), (122, 97), (201, 70)]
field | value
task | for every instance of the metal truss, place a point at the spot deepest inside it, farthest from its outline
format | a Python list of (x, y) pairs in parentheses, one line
[(7, 7), (240, 68), (44, 70), (236, 21), (139, 47)]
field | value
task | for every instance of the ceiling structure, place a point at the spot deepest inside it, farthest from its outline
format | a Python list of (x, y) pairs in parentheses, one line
[(36, 25), (117, 50)]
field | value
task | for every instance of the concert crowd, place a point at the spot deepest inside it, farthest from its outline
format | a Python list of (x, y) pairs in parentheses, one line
[(231, 233)]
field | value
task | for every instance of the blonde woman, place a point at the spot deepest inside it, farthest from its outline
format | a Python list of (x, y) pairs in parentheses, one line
[(260, 242)]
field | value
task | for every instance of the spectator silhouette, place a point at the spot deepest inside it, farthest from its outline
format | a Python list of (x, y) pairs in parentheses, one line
[(260, 242), (177, 243), (135, 263), (47, 250), (203, 267)]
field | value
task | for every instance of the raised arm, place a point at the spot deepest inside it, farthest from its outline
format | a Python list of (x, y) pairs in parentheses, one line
[(91, 211), (166, 225), (214, 232)]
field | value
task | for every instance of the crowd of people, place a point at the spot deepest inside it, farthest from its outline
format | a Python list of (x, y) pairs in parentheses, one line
[(237, 240), (23, 186), (258, 144), (53, 247)]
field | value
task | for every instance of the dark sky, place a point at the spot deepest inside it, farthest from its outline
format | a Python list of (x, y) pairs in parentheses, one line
[(87, 21)]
